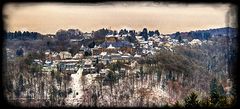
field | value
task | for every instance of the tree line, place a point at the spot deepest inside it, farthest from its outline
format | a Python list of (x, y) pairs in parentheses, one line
[(25, 35)]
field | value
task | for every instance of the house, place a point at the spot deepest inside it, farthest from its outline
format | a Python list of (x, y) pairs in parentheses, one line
[(185, 40), (143, 44), (137, 56), (103, 72), (78, 56), (195, 42), (168, 45), (124, 58), (88, 67), (38, 61), (174, 40), (48, 63), (115, 57), (75, 41), (55, 56), (95, 60), (139, 38), (111, 38), (47, 53), (65, 55), (103, 54), (82, 49), (68, 66), (87, 35), (111, 48), (112, 44), (96, 50), (105, 59)]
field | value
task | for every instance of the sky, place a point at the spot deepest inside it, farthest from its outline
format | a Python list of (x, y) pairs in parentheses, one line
[(48, 18)]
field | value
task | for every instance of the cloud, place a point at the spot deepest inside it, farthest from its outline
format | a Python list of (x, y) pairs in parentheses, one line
[(48, 18)]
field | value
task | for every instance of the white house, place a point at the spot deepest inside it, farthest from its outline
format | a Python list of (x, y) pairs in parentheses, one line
[(65, 55), (195, 42)]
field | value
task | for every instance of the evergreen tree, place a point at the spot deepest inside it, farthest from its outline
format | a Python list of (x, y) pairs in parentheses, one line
[(145, 34), (192, 101), (121, 32), (205, 102), (221, 90), (20, 83), (115, 32), (177, 105), (141, 74), (178, 37), (20, 87), (222, 102), (217, 94), (214, 94), (157, 32), (151, 33), (19, 52)]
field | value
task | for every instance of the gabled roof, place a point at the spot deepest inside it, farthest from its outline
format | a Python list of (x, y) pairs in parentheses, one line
[(110, 47), (103, 53), (82, 47)]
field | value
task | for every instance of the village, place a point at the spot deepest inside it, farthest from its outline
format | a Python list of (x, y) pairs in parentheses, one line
[(114, 49)]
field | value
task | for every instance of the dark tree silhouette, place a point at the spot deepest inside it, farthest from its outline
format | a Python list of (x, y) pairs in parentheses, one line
[(145, 34), (192, 101)]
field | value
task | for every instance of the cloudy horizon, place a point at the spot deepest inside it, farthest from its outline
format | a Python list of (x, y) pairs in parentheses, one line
[(48, 18)]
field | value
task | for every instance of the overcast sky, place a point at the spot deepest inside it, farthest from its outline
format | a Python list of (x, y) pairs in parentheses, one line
[(167, 18)]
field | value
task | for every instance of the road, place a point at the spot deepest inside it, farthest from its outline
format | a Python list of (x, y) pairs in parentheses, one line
[(74, 98)]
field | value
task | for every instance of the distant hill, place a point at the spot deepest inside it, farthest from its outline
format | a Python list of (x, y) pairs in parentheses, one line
[(205, 34), (221, 31)]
